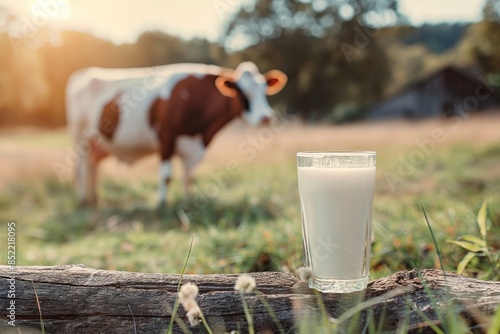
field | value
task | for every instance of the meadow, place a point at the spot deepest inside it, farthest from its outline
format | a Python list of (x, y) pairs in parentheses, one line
[(245, 214)]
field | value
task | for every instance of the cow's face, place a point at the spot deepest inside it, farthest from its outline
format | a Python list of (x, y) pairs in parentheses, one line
[(252, 87)]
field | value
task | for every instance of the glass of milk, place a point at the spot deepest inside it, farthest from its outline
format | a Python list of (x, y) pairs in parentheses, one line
[(336, 194)]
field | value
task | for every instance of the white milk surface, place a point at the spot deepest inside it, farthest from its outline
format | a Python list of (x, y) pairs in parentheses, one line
[(336, 205)]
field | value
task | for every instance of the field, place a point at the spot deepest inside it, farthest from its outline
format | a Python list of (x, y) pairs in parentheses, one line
[(245, 213)]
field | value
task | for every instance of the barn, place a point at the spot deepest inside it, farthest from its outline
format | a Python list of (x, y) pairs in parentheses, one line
[(447, 92)]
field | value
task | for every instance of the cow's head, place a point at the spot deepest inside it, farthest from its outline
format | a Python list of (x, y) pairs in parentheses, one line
[(247, 83)]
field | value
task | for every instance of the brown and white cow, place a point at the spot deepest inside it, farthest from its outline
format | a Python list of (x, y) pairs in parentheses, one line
[(171, 109)]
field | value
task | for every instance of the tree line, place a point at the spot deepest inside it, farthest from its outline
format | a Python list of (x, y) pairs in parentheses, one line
[(338, 55)]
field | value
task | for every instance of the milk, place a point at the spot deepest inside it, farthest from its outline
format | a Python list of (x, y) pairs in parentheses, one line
[(336, 209)]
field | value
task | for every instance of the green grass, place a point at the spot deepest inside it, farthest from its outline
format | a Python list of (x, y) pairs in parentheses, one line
[(252, 224), (253, 221)]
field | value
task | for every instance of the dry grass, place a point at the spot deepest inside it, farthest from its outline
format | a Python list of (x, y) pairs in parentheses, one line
[(27, 153), (385, 138)]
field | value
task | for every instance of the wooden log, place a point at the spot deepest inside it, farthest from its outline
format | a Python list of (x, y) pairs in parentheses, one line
[(76, 299)]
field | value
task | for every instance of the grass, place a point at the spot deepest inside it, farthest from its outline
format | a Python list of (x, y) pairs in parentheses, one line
[(42, 326), (176, 305), (252, 221)]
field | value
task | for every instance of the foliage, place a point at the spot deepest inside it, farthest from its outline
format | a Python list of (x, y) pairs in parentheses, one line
[(24, 89), (34, 69), (328, 50), (484, 38), (336, 54), (482, 256), (78, 50)]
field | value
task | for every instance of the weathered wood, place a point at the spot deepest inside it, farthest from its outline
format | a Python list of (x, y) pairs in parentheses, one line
[(76, 299)]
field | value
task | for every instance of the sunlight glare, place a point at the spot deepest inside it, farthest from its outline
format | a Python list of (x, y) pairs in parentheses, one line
[(50, 9)]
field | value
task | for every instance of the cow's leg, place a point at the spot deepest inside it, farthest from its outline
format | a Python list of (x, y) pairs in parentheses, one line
[(188, 180), (97, 154), (83, 191), (167, 146), (165, 177), (191, 150), (82, 188), (89, 155)]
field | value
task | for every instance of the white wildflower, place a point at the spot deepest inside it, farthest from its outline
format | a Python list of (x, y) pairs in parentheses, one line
[(245, 283), (194, 316), (188, 291), (189, 304), (304, 273)]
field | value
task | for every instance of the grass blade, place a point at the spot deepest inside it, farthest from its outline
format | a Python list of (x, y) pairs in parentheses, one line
[(39, 308), (474, 240), (482, 219), (133, 318), (369, 303), (176, 304), (181, 323), (495, 323), (464, 262), (248, 315), (270, 311), (432, 235), (381, 320), (467, 245), (428, 322)]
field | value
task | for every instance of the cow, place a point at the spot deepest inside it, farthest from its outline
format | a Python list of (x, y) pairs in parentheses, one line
[(169, 110)]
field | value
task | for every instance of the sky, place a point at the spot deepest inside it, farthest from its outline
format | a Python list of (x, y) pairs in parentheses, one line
[(123, 20)]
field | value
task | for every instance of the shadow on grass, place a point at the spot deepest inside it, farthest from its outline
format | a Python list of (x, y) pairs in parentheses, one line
[(191, 214), (49, 206)]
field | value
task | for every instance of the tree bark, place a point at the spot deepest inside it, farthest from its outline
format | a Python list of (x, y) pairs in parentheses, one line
[(76, 299)]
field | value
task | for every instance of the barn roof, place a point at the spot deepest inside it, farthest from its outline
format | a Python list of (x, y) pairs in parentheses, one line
[(468, 74)]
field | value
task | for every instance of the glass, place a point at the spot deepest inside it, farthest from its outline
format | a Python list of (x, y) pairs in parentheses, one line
[(336, 195)]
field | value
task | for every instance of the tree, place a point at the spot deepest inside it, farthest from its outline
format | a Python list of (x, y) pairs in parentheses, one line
[(24, 90), (327, 48), (484, 38), (78, 50)]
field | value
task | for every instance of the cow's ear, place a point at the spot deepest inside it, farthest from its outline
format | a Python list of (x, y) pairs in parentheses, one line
[(276, 80), (226, 85)]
